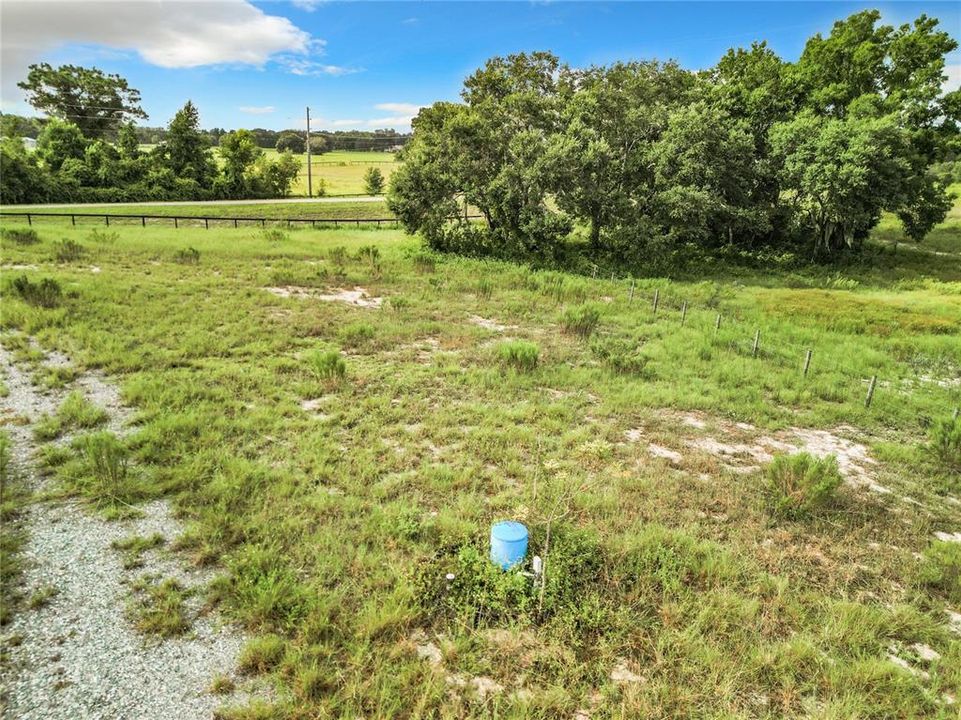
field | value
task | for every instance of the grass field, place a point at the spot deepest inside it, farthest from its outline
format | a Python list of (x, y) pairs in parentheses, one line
[(335, 460), (341, 170)]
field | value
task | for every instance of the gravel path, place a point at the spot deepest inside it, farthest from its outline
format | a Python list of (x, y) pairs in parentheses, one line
[(78, 656)]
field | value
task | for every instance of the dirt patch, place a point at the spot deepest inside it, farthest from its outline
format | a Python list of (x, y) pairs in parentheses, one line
[(489, 324), (665, 453), (358, 296)]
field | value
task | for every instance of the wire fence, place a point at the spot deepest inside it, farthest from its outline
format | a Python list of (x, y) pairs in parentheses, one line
[(871, 377), (206, 221)]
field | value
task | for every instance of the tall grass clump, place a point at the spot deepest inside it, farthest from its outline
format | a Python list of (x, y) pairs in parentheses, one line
[(801, 484), (107, 461), (45, 293), (20, 236), (327, 364), (69, 251), (187, 256), (941, 569), (945, 443), (581, 320), (519, 354), (76, 411)]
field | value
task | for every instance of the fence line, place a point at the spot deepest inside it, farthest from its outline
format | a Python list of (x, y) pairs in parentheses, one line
[(207, 219)]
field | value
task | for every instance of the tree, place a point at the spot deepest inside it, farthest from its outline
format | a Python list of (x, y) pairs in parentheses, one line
[(318, 145), (60, 141), (841, 173), (373, 181), (274, 178), (294, 142), (185, 151), (22, 180), (703, 174), (601, 157), (239, 152), (95, 102)]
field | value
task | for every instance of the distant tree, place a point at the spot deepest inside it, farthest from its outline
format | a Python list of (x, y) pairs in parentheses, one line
[(22, 180), (19, 126), (239, 152), (318, 145), (186, 151), (274, 178), (294, 142), (373, 181), (95, 102), (127, 142), (60, 141)]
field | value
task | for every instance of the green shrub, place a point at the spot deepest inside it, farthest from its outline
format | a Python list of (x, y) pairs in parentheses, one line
[(800, 484), (370, 254), (946, 443), (338, 260), (46, 293), (20, 236), (327, 364), (69, 251), (581, 320), (621, 356), (519, 354), (187, 256)]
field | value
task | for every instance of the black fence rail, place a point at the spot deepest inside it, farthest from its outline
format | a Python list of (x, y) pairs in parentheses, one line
[(207, 220)]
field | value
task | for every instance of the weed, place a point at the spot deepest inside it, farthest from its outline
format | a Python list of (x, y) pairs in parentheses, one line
[(103, 237), (41, 597), (370, 254), (338, 259), (20, 236), (68, 251), (581, 321), (222, 685), (398, 303), (134, 546), (326, 364), (106, 461), (158, 608), (187, 256), (356, 334), (425, 262), (945, 443), (800, 484), (518, 354), (485, 288), (274, 235), (621, 356), (45, 294), (262, 654), (941, 569)]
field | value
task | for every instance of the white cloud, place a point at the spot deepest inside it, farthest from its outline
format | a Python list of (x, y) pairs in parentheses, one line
[(168, 34), (255, 110), (308, 5), (953, 71), (310, 68), (404, 108)]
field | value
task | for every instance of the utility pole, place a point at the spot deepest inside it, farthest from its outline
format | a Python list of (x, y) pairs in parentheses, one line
[(310, 189)]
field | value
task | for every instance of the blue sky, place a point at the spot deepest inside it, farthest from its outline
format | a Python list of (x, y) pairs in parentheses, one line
[(364, 64)]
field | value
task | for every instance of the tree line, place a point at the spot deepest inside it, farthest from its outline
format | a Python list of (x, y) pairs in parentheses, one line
[(88, 149), (641, 160)]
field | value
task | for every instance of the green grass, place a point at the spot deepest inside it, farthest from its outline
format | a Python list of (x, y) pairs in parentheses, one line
[(341, 171), (76, 412), (336, 523), (158, 607)]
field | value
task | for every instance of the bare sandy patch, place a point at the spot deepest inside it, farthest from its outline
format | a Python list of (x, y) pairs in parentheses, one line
[(489, 324), (358, 296), (659, 451)]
